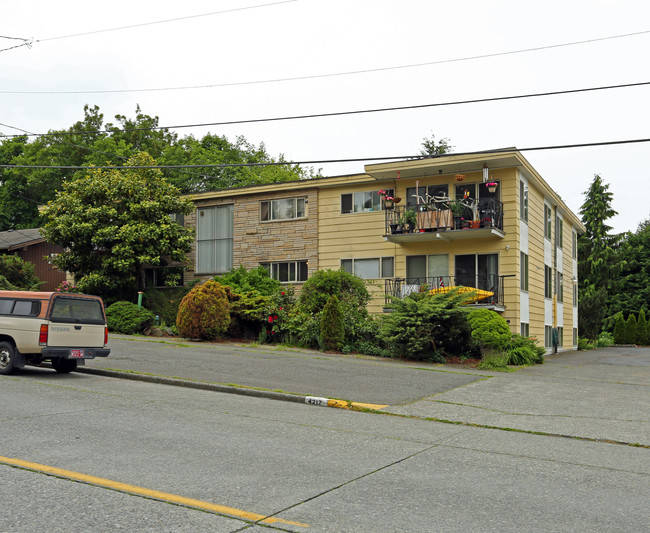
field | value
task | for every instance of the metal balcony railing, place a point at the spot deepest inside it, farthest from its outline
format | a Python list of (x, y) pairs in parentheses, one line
[(449, 215), (401, 287)]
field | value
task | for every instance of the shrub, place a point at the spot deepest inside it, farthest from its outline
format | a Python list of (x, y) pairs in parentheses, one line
[(426, 327), (524, 351), (128, 318), (17, 274), (204, 312), (331, 325), (630, 329), (165, 302), (494, 360), (277, 327), (349, 289), (604, 339), (619, 330), (584, 344), (244, 281), (489, 330), (642, 329)]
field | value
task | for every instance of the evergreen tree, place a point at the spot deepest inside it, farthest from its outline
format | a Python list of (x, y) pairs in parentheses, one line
[(619, 330), (642, 329), (630, 329), (332, 329)]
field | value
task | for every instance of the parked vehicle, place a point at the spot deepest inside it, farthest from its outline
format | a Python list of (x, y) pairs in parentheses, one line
[(64, 328)]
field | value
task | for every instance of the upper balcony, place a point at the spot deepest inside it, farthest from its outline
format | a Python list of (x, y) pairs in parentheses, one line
[(445, 220)]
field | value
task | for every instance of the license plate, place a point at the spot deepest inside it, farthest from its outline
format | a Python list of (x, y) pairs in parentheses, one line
[(76, 353)]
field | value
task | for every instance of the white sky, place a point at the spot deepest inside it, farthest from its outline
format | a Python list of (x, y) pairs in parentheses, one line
[(314, 37)]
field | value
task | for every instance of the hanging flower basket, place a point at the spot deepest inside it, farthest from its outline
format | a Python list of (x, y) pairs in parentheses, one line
[(459, 177), (492, 186)]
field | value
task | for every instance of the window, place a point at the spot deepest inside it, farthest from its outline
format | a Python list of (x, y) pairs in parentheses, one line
[(282, 209), (574, 245), (426, 194), (559, 281), (523, 201), (287, 271), (523, 272), (382, 267), (214, 239), (575, 336), (559, 230), (360, 202), (548, 282), (20, 307), (525, 329), (575, 295), (560, 336), (547, 221), (466, 191), (478, 271), (548, 336)]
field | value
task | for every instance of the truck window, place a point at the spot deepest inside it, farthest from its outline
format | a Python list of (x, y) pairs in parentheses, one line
[(26, 308), (81, 310), (6, 306)]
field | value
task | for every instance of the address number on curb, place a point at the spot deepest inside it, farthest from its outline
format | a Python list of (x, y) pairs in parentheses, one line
[(313, 400)]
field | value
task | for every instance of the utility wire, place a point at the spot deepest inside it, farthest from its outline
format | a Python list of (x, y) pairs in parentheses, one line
[(323, 161), (337, 74), (356, 112)]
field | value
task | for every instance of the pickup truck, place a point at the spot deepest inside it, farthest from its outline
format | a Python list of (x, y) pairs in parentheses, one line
[(64, 328)]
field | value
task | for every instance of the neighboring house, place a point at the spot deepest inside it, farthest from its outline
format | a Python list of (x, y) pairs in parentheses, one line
[(30, 246), (522, 249)]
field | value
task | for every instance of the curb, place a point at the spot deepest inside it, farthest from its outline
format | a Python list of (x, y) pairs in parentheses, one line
[(229, 389)]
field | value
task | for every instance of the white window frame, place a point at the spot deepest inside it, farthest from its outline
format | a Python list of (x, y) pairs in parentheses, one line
[(523, 200), (359, 199), (548, 220), (381, 267), (523, 271), (299, 209), (221, 245), (293, 270)]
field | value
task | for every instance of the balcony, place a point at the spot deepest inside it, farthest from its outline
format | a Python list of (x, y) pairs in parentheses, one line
[(447, 220), (490, 285)]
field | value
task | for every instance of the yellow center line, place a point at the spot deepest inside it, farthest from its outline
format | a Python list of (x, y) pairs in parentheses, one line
[(141, 491)]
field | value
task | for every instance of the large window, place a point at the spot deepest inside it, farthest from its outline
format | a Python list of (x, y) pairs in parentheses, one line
[(287, 271), (523, 200), (282, 209), (214, 239), (548, 282), (360, 202), (548, 218), (523, 274), (479, 271), (378, 267)]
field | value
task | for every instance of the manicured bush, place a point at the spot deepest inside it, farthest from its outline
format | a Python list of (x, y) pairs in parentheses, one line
[(489, 330), (427, 327), (630, 329), (642, 329), (332, 331), (204, 312), (349, 289), (128, 318), (620, 335)]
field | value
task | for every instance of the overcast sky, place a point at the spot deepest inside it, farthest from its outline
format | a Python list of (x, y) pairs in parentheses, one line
[(242, 53)]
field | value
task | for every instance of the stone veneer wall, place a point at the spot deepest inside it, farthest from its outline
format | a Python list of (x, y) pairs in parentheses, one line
[(255, 241)]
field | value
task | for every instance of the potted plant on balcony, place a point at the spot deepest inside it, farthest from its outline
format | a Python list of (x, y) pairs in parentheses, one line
[(492, 186), (408, 220), (458, 210)]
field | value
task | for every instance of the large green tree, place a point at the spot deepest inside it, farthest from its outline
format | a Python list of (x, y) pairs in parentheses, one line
[(114, 223), (633, 292), (598, 261), (92, 141)]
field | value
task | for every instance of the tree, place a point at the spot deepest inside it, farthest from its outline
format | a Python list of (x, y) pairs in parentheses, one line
[(642, 329), (633, 288), (630, 329), (332, 328), (432, 148), (112, 223), (17, 274), (619, 330), (597, 258)]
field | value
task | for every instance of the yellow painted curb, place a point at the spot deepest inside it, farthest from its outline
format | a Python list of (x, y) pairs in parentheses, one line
[(140, 491)]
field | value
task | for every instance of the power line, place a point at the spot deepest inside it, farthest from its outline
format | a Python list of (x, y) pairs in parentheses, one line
[(325, 161), (354, 112), (164, 21), (336, 74)]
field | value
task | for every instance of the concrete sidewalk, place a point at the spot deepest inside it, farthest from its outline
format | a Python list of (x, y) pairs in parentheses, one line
[(602, 394)]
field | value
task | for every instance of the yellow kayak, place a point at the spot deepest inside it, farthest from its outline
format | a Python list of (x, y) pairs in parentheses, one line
[(477, 294)]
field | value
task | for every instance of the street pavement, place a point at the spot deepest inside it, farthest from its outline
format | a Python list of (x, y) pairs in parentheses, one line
[(601, 395)]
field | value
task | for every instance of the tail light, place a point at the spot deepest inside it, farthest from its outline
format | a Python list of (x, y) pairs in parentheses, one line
[(42, 336), (105, 336)]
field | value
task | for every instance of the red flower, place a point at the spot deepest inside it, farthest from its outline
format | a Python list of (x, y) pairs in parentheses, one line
[(282, 293), (280, 308), (270, 320)]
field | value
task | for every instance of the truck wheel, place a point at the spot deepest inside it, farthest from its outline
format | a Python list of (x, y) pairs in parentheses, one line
[(7, 352), (63, 366)]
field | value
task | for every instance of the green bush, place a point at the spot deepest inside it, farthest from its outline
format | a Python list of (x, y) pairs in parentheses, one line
[(243, 281), (332, 331), (349, 289), (619, 330), (524, 351), (642, 329), (494, 360), (17, 274), (427, 327), (204, 312), (604, 339), (490, 331), (128, 318), (584, 344), (630, 329)]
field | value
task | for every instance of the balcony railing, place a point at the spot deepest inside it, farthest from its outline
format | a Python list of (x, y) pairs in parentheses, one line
[(491, 283), (448, 215)]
